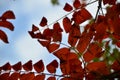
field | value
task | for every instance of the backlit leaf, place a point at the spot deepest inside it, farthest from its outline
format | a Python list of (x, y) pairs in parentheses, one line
[(34, 28), (52, 47), (66, 24), (116, 66), (51, 78), (14, 76), (76, 4), (62, 53), (39, 66), (44, 43), (6, 67), (68, 7), (51, 67), (43, 22), (37, 35), (28, 76), (17, 66), (4, 76), (28, 66), (7, 25), (56, 27), (3, 36), (39, 77), (8, 15), (98, 67), (111, 2)]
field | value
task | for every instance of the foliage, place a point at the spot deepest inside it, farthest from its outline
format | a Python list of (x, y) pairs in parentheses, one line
[(91, 54)]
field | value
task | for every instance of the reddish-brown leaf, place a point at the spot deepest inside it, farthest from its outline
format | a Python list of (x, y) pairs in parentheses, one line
[(98, 67), (14, 76), (7, 25), (66, 24), (3, 36), (39, 66), (39, 77), (116, 66), (76, 4), (28, 66), (62, 53), (17, 66), (111, 2), (44, 43), (68, 7), (37, 35), (8, 15), (51, 78), (57, 28), (57, 36), (6, 67), (52, 47), (43, 22), (34, 28), (28, 76), (72, 40), (47, 34), (93, 51), (4, 76), (51, 67)]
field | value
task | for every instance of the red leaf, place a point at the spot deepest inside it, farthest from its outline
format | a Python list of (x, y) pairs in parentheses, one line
[(8, 15), (72, 40), (28, 76), (6, 67), (4, 76), (62, 53), (39, 66), (17, 66), (66, 24), (44, 43), (93, 51), (57, 36), (81, 16), (52, 47), (57, 28), (51, 78), (28, 66), (76, 4), (43, 22), (7, 25), (39, 77), (47, 34), (14, 76), (3, 36), (34, 28), (37, 35), (98, 67), (116, 66), (51, 67), (111, 2), (68, 7)]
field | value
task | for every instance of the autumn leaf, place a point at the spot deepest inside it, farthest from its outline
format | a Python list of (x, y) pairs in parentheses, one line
[(39, 66), (51, 67), (66, 24), (4, 76), (51, 78), (44, 43), (8, 15), (43, 22), (34, 28), (68, 7), (7, 24), (14, 76), (3, 36), (6, 67), (17, 66), (28, 76), (52, 47), (28, 66), (39, 77), (57, 28), (111, 2), (76, 4)]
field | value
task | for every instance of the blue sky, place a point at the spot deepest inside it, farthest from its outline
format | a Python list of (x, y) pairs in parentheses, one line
[(22, 47)]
